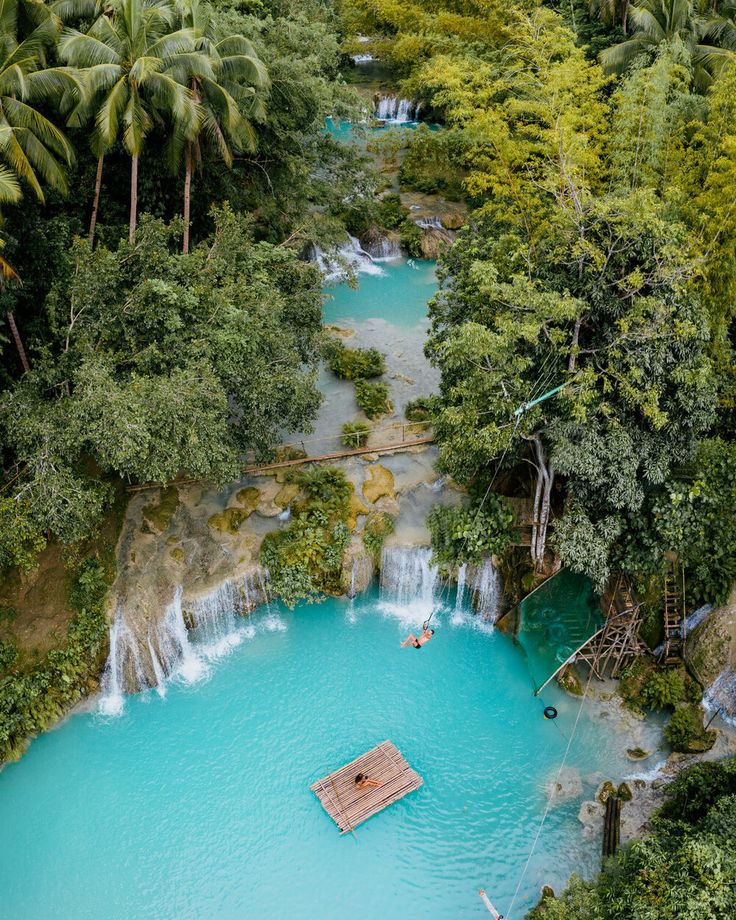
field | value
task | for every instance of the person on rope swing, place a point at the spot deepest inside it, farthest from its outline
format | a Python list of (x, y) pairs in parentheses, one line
[(415, 642)]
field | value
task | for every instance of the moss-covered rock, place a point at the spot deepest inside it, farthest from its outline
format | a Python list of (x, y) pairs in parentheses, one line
[(177, 554), (286, 494), (637, 753), (158, 514), (605, 791), (569, 681), (380, 482), (355, 507), (228, 521), (624, 792), (248, 498)]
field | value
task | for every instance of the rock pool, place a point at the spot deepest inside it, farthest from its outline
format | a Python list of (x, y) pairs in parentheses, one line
[(197, 804)]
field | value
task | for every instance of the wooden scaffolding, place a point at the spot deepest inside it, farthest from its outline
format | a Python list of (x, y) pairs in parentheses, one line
[(618, 641), (673, 616)]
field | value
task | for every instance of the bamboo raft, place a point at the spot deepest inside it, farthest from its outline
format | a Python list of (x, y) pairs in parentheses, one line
[(349, 806)]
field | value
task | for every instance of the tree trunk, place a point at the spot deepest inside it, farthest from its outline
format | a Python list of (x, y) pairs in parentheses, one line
[(18, 343), (572, 360), (187, 193), (96, 203), (542, 502), (133, 198)]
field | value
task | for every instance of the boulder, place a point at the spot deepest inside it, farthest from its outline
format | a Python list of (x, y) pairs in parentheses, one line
[(435, 240), (380, 482)]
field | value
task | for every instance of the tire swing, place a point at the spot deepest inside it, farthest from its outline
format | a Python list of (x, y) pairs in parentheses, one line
[(550, 712)]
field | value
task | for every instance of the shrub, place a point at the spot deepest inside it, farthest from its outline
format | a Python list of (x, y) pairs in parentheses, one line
[(464, 535), (372, 398), (633, 678), (685, 731), (663, 689), (305, 559), (693, 792), (419, 409), (391, 212), (33, 700), (377, 528), (354, 363), (355, 434), (411, 238), (8, 655)]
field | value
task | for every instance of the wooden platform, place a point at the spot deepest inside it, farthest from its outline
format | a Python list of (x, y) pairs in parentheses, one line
[(349, 806)]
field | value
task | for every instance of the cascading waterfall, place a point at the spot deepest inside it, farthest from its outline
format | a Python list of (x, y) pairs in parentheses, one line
[(697, 617), (385, 249), (408, 579), (394, 109), (170, 648), (487, 591), (460, 597), (721, 695), (427, 223), (348, 256), (124, 658)]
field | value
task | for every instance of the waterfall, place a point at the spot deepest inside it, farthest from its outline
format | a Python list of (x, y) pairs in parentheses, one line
[(487, 591), (696, 618), (124, 657), (427, 223), (461, 571), (350, 256), (384, 249), (169, 648), (353, 575), (364, 58), (409, 580), (721, 694), (395, 110)]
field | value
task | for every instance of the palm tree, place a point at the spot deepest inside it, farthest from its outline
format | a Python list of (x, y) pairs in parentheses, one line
[(223, 75), (656, 22), (33, 149), (31, 146), (126, 57)]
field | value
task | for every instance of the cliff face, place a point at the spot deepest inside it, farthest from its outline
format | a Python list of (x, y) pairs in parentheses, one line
[(710, 652)]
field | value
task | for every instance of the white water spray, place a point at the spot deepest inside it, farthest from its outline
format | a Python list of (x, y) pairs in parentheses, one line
[(487, 591), (337, 262), (461, 573), (395, 110), (409, 581)]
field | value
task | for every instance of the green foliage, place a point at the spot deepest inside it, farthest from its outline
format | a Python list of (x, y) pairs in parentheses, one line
[(305, 559), (372, 398), (378, 528), (355, 434), (633, 678), (419, 409), (142, 382), (664, 689), (32, 700), (8, 655), (391, 212), (685, 868), (353, 363), (411, 238), (685, 731), (464, 535)]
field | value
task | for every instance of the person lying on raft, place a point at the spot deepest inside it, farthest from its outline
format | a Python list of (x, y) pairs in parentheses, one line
[(362, 781), (411, 639)]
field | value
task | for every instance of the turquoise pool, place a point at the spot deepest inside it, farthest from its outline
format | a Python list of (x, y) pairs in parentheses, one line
[(197, 805), (398, 295)]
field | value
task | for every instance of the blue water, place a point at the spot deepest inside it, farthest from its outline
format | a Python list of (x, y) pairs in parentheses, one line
[(398, 295), (198, 805), (348, 133)]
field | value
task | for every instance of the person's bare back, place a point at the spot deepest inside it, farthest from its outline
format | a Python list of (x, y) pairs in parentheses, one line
[(412, 640)]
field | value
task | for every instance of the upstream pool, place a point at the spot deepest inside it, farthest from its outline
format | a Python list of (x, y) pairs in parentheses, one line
[(197, 804)]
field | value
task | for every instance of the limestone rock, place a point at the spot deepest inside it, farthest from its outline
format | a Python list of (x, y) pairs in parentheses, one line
[(435, 240), (356, 507), (248, 497), (157, 514), (624, 792), (637, 753), (286, 494), (229, 520), (605, 791), (570, 682), (710, 653), (380, 482)]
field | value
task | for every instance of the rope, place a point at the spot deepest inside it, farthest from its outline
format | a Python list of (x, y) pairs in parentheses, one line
[(550, 799)]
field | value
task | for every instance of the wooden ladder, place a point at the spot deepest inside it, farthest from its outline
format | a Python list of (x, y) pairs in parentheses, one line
[(674, 617)]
